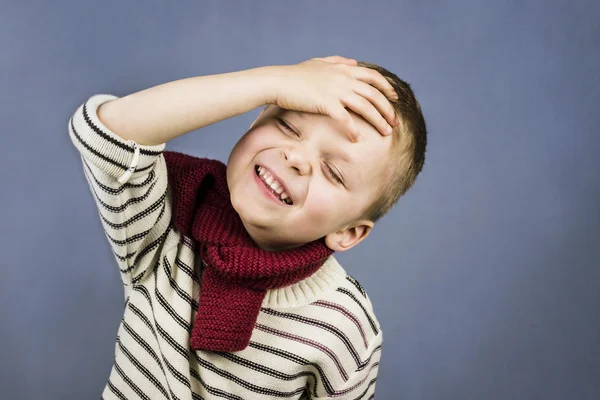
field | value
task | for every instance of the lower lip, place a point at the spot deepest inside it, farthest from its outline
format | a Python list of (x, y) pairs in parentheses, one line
[(266, 191)]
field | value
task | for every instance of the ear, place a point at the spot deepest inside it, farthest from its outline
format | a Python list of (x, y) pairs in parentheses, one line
[(347, 238)]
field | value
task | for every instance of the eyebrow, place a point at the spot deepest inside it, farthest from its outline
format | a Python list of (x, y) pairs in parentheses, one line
[(296, 113), (353, 171)]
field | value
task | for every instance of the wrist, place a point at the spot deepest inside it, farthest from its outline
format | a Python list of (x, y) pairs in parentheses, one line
[(271, 80)]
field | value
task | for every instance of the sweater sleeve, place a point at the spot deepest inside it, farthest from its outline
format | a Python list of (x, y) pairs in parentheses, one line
[(350, 343), (361, 382), (129, 184)]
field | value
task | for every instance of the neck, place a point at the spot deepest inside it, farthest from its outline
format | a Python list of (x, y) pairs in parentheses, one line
[(329, 277), (260, 238)]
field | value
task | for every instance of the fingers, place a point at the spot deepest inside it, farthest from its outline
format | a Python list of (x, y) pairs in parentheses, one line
[(368, 97), (367, 110), (380, 102), (375, 79), (340, 114)]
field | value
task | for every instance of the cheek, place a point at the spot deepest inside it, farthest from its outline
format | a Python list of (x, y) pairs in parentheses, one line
[(241, 150), (324, 203), (252, 143)]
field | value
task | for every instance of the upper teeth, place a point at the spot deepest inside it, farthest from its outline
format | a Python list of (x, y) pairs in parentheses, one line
[(274, 185)]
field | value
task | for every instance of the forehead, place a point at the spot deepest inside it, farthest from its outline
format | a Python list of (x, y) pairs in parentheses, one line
[(361, 161), (328, 125)]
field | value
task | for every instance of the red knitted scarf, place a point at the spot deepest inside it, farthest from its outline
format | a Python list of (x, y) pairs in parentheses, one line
[(237, 272)]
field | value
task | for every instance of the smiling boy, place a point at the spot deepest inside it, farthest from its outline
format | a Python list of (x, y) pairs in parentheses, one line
[(231, 289), (329, 179)]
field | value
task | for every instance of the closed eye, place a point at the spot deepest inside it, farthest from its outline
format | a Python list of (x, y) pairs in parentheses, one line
[(334, 175), (286, 127)]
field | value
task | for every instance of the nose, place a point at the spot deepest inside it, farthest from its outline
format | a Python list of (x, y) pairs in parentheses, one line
[(297, 159)]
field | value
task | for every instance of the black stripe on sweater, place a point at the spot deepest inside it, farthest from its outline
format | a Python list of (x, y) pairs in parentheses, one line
[(368, 359), (172, 342), (126, 204), (105, 136), (100, 155), (116, 391), (135, 238), (323, 325), (297, 359), (358, 384), (139, 216), (114, 191), (371, 383), (170, 310), (254, 388), (161, 331), (189, 243), (143, 318), (142, 369), (90, 149), (182, 293), (165, 335), (129, 240), (178, 375), (129, 382), (213, 390), (135, 280), (308, 342), (196, 396), (357, 285), (187, 270), (367, 315), (261, 368), (148, 248), (135, 336), (146, 322), (120, 257)]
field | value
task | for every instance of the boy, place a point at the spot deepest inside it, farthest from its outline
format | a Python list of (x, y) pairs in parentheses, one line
[(230, 286)]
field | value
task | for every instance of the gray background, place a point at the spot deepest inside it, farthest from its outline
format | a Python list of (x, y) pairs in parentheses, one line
[(485, 276)]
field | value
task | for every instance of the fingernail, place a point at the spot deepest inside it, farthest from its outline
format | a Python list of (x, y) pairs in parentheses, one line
[(388, 129)]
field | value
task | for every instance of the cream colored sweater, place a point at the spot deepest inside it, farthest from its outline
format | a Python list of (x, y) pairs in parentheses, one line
[(316, 339)]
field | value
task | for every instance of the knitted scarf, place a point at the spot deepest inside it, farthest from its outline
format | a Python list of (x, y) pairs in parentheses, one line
[(237, 272)]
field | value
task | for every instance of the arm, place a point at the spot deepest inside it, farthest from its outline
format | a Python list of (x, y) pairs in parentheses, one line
[(134, 207), (135, 214), (108, 132), (164, 112), (328, 86), (361, 383)]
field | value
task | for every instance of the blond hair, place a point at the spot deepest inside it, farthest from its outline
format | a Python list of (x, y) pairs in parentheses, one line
[(407, 154)]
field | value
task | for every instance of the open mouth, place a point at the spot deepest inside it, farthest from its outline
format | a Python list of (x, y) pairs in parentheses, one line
[(273, 185)]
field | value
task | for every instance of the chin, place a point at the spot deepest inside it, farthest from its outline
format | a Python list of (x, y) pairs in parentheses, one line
[(250, 218)]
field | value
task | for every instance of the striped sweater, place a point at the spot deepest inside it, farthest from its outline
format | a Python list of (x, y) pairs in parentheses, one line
[(315, 339)]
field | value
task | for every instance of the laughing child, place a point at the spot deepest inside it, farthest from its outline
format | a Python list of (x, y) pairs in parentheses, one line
[(231, 287)]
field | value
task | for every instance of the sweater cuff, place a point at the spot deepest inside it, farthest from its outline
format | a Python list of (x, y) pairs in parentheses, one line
[(107, 150)]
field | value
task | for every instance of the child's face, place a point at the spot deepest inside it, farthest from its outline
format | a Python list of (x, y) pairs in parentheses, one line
[(321, 206)]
